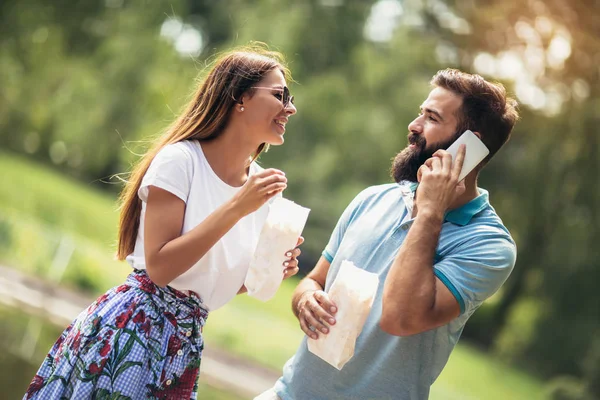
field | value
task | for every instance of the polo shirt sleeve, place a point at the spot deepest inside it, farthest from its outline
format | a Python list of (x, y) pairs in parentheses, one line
[(342, 225), (171, 170), (475, 270)]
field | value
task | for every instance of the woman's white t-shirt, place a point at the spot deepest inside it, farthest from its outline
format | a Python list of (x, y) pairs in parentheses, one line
[(182, 169)]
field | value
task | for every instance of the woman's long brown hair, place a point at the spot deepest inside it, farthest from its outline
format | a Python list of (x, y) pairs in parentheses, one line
[(204, 118)]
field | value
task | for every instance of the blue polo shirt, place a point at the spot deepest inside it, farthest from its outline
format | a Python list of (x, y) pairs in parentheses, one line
[(474, 257)]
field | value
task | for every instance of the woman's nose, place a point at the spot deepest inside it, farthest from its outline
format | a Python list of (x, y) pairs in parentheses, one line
[(290, 109)]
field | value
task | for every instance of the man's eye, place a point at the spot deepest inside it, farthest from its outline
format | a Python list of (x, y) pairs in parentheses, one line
[(433, 119), (278, 95)]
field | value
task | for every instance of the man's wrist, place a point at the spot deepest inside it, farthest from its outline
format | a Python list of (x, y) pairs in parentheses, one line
[(430, 215), (300, 299)]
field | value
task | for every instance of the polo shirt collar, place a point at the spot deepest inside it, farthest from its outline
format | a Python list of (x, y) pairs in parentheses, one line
[(461, 215)]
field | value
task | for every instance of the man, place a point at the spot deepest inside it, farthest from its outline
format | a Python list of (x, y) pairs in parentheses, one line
[(437, 245)]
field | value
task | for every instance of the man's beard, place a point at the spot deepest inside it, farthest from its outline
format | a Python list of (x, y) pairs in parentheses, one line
[(408, 161)]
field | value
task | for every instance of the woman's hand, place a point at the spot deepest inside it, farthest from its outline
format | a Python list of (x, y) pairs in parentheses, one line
[(258, 189), (290, 266)]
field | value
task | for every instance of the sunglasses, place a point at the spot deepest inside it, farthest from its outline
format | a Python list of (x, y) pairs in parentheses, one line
[(286, 97)]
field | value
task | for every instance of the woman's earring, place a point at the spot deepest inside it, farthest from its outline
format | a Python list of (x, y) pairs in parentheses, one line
[(242, 108)]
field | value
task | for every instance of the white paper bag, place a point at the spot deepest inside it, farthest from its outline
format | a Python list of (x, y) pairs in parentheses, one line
[(279, 234), (353, 292)]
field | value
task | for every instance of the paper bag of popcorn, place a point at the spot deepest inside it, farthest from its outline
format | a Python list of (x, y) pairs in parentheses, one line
[(353, 292), (279, 234)]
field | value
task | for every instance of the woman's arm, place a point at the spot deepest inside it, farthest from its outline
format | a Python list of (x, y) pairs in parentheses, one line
[(169, 253)]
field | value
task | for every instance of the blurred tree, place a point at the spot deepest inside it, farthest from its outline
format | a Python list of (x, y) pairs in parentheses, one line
[(81, 79)]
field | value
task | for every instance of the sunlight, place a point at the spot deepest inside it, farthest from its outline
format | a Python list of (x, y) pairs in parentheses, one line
[(186, 39), (189, 41), (580, 90), (509, 65), (485, 64), (526, 65), (527, 33), (544, 26), (171, 28), (535, 60), (449, 20), (559, 50), (531, 95), (383, 20)]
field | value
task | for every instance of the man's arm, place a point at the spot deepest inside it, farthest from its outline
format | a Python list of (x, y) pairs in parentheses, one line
[(311, 305), (414, 300)]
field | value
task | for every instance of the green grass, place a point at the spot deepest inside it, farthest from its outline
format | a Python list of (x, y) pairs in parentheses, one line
[(265, 332), (68, 205), (206, 392), (471, 374), (41, 210), (36, 249), (51, 208)]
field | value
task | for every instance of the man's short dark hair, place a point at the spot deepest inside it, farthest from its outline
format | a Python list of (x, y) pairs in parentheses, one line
[(485, 109)]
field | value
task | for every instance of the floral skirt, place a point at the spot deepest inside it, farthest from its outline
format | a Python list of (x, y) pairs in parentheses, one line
[(136, 341)]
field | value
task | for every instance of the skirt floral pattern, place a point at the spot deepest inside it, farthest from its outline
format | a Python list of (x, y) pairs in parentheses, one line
[(136, 341)]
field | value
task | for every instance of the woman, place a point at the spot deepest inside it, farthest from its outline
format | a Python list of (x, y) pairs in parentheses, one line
[(190, 220)]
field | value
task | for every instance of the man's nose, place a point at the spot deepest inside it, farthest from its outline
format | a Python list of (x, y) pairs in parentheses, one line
[(416, 126)]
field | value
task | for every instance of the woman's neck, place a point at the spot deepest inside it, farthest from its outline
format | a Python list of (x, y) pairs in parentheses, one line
[(229, 157)]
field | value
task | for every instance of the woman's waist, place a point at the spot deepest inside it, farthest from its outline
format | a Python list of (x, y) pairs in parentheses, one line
[(215, 287), (186, 298)]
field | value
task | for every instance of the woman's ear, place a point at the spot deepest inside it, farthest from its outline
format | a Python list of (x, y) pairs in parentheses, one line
[(477, 134), (245, 97), (240, 106)]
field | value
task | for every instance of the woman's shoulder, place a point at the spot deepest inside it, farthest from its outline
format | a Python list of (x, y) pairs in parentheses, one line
[(184, 152), (186, 148)]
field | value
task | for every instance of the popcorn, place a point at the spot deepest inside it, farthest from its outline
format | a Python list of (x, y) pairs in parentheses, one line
[(353, 292), (279, 234)]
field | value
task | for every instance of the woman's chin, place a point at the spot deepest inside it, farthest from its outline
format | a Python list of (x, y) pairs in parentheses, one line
[(277, 141)]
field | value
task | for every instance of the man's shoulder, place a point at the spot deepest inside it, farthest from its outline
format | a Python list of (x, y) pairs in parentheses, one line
[(489, 220), (487, 231), (377, 190), (369, 198)]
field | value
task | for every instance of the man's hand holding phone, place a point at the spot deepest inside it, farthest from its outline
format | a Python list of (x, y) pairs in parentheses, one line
[(476, 152), (442, 176), (438, 182)]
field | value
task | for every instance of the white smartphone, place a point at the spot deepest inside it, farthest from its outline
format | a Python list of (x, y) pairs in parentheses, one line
[(475, 152)]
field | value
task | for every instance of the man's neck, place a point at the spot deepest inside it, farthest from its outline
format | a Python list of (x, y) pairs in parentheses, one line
[(469, 194)]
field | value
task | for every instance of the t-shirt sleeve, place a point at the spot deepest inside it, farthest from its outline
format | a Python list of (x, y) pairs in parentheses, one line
[(171, 170), (477, 269), (340, 228)]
